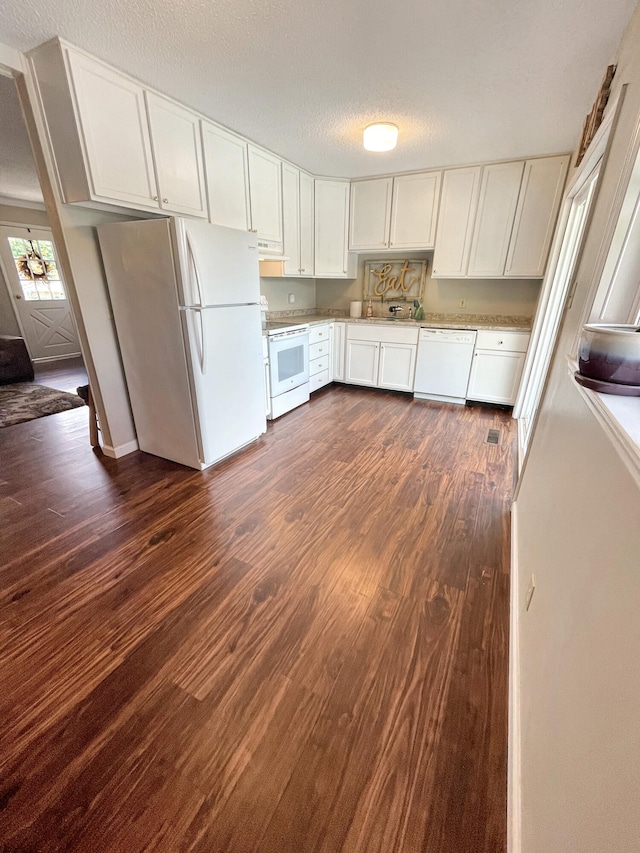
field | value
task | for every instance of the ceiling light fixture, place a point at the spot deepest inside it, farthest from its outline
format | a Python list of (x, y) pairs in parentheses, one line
[(381, 136)]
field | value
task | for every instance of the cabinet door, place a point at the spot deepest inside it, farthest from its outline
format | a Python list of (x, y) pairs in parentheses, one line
[(227, 177), (291, 219), (495, 376), (265, 192), (113, 119), (177, 152), (331, 225), (497, 201), (337, 351), (455, 221), (414, 210), (306, 224), (362, 362), (397, 366), (536, 214), (370, 214)]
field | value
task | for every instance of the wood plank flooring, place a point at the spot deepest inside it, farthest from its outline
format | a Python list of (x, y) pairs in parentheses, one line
[(303, 649)]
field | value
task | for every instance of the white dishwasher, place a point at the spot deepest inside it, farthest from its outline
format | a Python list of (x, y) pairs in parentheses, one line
[(444, 364)]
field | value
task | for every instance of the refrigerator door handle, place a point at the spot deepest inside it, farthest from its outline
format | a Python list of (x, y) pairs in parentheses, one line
[(200, 345), (194, 266)]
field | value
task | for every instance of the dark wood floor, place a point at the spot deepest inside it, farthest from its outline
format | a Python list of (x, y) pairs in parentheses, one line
[(303, 649), (65, 375)]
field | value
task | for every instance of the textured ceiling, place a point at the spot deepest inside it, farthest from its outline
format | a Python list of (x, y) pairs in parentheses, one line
[(465, 80), (18, 178)]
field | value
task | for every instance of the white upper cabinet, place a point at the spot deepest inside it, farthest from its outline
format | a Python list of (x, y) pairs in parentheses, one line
[(536, 214), (370, 214), (265, 193), (504, 228), (111, 113), (227, 177), (291, 219), (455, 221), (497, 201), (306, 223), (414, 210), (297, 217), (332, 259), (177, 149)]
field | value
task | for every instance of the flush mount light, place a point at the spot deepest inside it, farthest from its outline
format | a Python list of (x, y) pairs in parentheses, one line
[(381, 136)]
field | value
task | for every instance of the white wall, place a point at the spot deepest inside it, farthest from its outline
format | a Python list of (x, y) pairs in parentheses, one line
[(483, 296), (10, 215), (578, 512), (277, 290)]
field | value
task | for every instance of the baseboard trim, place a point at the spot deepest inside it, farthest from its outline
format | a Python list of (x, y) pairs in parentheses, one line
[(514, 784), (120, 450)]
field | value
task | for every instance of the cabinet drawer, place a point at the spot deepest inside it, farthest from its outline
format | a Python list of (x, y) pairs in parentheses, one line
[(319, 349), (319, 380), (317, 365), (317, 334), (511, 341), (381, 332)]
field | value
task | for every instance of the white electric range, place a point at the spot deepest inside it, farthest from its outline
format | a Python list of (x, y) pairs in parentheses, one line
[(288, 365)]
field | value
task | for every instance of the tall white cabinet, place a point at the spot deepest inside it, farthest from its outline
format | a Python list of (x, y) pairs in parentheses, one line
[(265, 192), (227, 177), (298, 221), (460, 188), (332, 257), (497, 201)]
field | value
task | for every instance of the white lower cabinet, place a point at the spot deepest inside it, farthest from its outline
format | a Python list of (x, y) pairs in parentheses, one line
[(362, 362), (267, 377), (338, 350), (381, 356), (397, 366), (498, 362), (320, 356)]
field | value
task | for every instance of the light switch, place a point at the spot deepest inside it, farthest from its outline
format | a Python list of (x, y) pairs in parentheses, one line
[(462, 303)]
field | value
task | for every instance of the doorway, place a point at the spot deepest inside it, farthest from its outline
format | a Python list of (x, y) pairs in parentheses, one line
[(37, 290)]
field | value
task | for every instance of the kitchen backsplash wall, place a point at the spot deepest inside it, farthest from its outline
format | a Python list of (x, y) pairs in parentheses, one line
[(277, 291), (513, 297)]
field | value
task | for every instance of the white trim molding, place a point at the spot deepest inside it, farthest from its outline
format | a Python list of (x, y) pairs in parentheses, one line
[(514, 779), (120, 450)]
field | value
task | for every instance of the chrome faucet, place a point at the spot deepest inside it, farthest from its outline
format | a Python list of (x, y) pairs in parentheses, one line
[(395, 309)]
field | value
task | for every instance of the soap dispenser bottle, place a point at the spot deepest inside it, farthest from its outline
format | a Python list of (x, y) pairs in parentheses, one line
[(369, 309)]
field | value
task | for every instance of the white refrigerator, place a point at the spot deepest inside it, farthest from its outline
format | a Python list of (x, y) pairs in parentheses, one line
[(186, 304)]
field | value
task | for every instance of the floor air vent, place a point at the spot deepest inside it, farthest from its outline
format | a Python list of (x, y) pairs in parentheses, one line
[(493, 437)]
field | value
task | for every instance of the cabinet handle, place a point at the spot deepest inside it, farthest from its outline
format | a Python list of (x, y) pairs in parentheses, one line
[(165, 201), (500, 343), (155, 198)]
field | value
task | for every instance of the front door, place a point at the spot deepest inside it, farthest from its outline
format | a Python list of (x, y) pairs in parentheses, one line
[(34, 280)]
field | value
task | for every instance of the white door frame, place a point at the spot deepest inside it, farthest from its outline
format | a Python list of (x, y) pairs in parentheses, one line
[(10, 290), (557, 289)]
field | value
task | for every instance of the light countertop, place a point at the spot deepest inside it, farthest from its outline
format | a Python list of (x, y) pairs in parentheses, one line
[(430, 321)]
